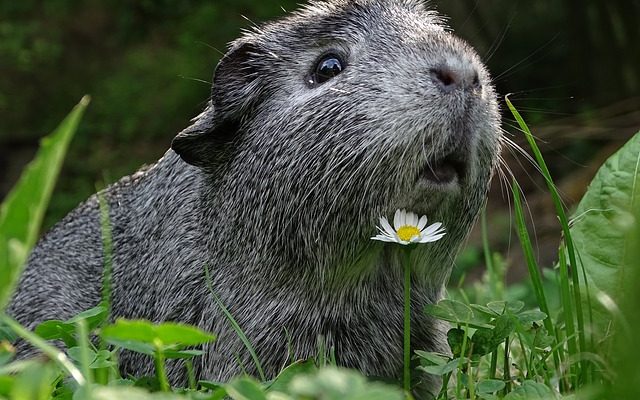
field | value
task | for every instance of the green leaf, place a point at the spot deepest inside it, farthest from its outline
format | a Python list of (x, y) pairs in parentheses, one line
[(75, 353), (93, 316), (501, 307), (6, 385), (442, 369), (490, 386), (455, 338), (65, 330), (245, 388), (126, 332), (530, 316), (339, 384), (174, 333), (138, 347), (103, 359), (505, 325), (483, 341), (183, 354), (530, 390), (458, 313), (431, 358), (284, 378), (57, 330), (34, 382), (23, 209), (601, 226), (130, 393)]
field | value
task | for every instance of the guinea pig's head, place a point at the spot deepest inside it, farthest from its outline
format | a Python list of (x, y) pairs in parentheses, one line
[(345, 111)]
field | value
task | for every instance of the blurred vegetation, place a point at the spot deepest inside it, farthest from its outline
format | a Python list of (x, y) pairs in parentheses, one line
[(147, 65)]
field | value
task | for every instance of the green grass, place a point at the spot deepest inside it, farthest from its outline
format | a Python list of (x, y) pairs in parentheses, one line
[(539, 339)]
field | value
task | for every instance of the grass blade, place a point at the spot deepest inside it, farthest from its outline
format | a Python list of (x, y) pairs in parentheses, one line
[(23, 209), (564, 222), (235, 326), (50, 351), (532, 266)]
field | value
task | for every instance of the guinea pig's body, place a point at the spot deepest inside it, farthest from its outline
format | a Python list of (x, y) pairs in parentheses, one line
[(319, 124)]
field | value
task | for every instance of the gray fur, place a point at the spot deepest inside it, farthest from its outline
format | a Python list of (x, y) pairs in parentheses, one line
[(285, 186)]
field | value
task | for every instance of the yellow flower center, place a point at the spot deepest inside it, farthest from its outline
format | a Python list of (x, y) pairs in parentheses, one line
[(407, 232)]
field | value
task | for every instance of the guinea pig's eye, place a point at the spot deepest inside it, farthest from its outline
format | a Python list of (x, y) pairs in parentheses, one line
[(326, 68)]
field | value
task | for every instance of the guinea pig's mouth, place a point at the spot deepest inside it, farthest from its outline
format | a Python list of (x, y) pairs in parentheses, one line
[(444, 170)]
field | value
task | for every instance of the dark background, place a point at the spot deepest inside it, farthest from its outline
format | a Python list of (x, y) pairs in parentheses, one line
[(573, 67)]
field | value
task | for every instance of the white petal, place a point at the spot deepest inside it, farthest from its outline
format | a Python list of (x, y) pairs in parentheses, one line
[(383, 238), (396, 220), (432, 238), (422, 222), (412, 219), (403, 217), (386, 226), (431, 229)]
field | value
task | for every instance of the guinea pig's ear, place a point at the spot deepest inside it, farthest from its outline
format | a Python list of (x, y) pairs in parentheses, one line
[(235, 90)]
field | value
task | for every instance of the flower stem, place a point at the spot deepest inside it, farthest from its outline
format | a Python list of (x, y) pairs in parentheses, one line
[(407, 320)]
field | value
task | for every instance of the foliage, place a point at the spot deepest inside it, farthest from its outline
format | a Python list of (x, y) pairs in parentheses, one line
[(601, 229)]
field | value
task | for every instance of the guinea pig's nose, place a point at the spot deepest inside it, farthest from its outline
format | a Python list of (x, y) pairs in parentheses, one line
[(455, 75)]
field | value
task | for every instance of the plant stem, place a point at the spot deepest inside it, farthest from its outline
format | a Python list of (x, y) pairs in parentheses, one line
[(494, 364), (407, 320), (83, 344), (506, 373), (161, 372)]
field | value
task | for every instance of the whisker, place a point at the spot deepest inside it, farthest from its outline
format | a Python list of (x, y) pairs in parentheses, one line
[(195, 79), (496, 44), (509, 71)]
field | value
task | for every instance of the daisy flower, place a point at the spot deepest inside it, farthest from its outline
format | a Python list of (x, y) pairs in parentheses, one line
[(408, 229)]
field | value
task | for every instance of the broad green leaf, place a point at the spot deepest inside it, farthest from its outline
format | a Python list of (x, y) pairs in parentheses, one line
[(490, 386), (601, 226), (130, 393), (23, 209), (441, 369), (458, 313), (431, 358), (501, 307), (284, 378), (165, 334), (174, 333), (183, 354), (34, 383), (103, 359), (65, 330), (483, 341), (505, 325), (455, 338), (93, 316), (484, 310), (138, 347), (57, 330), (245, 388), (133, 331), (340, 384), (6, 385), (75, 353), (530, 390), (530, 316)]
